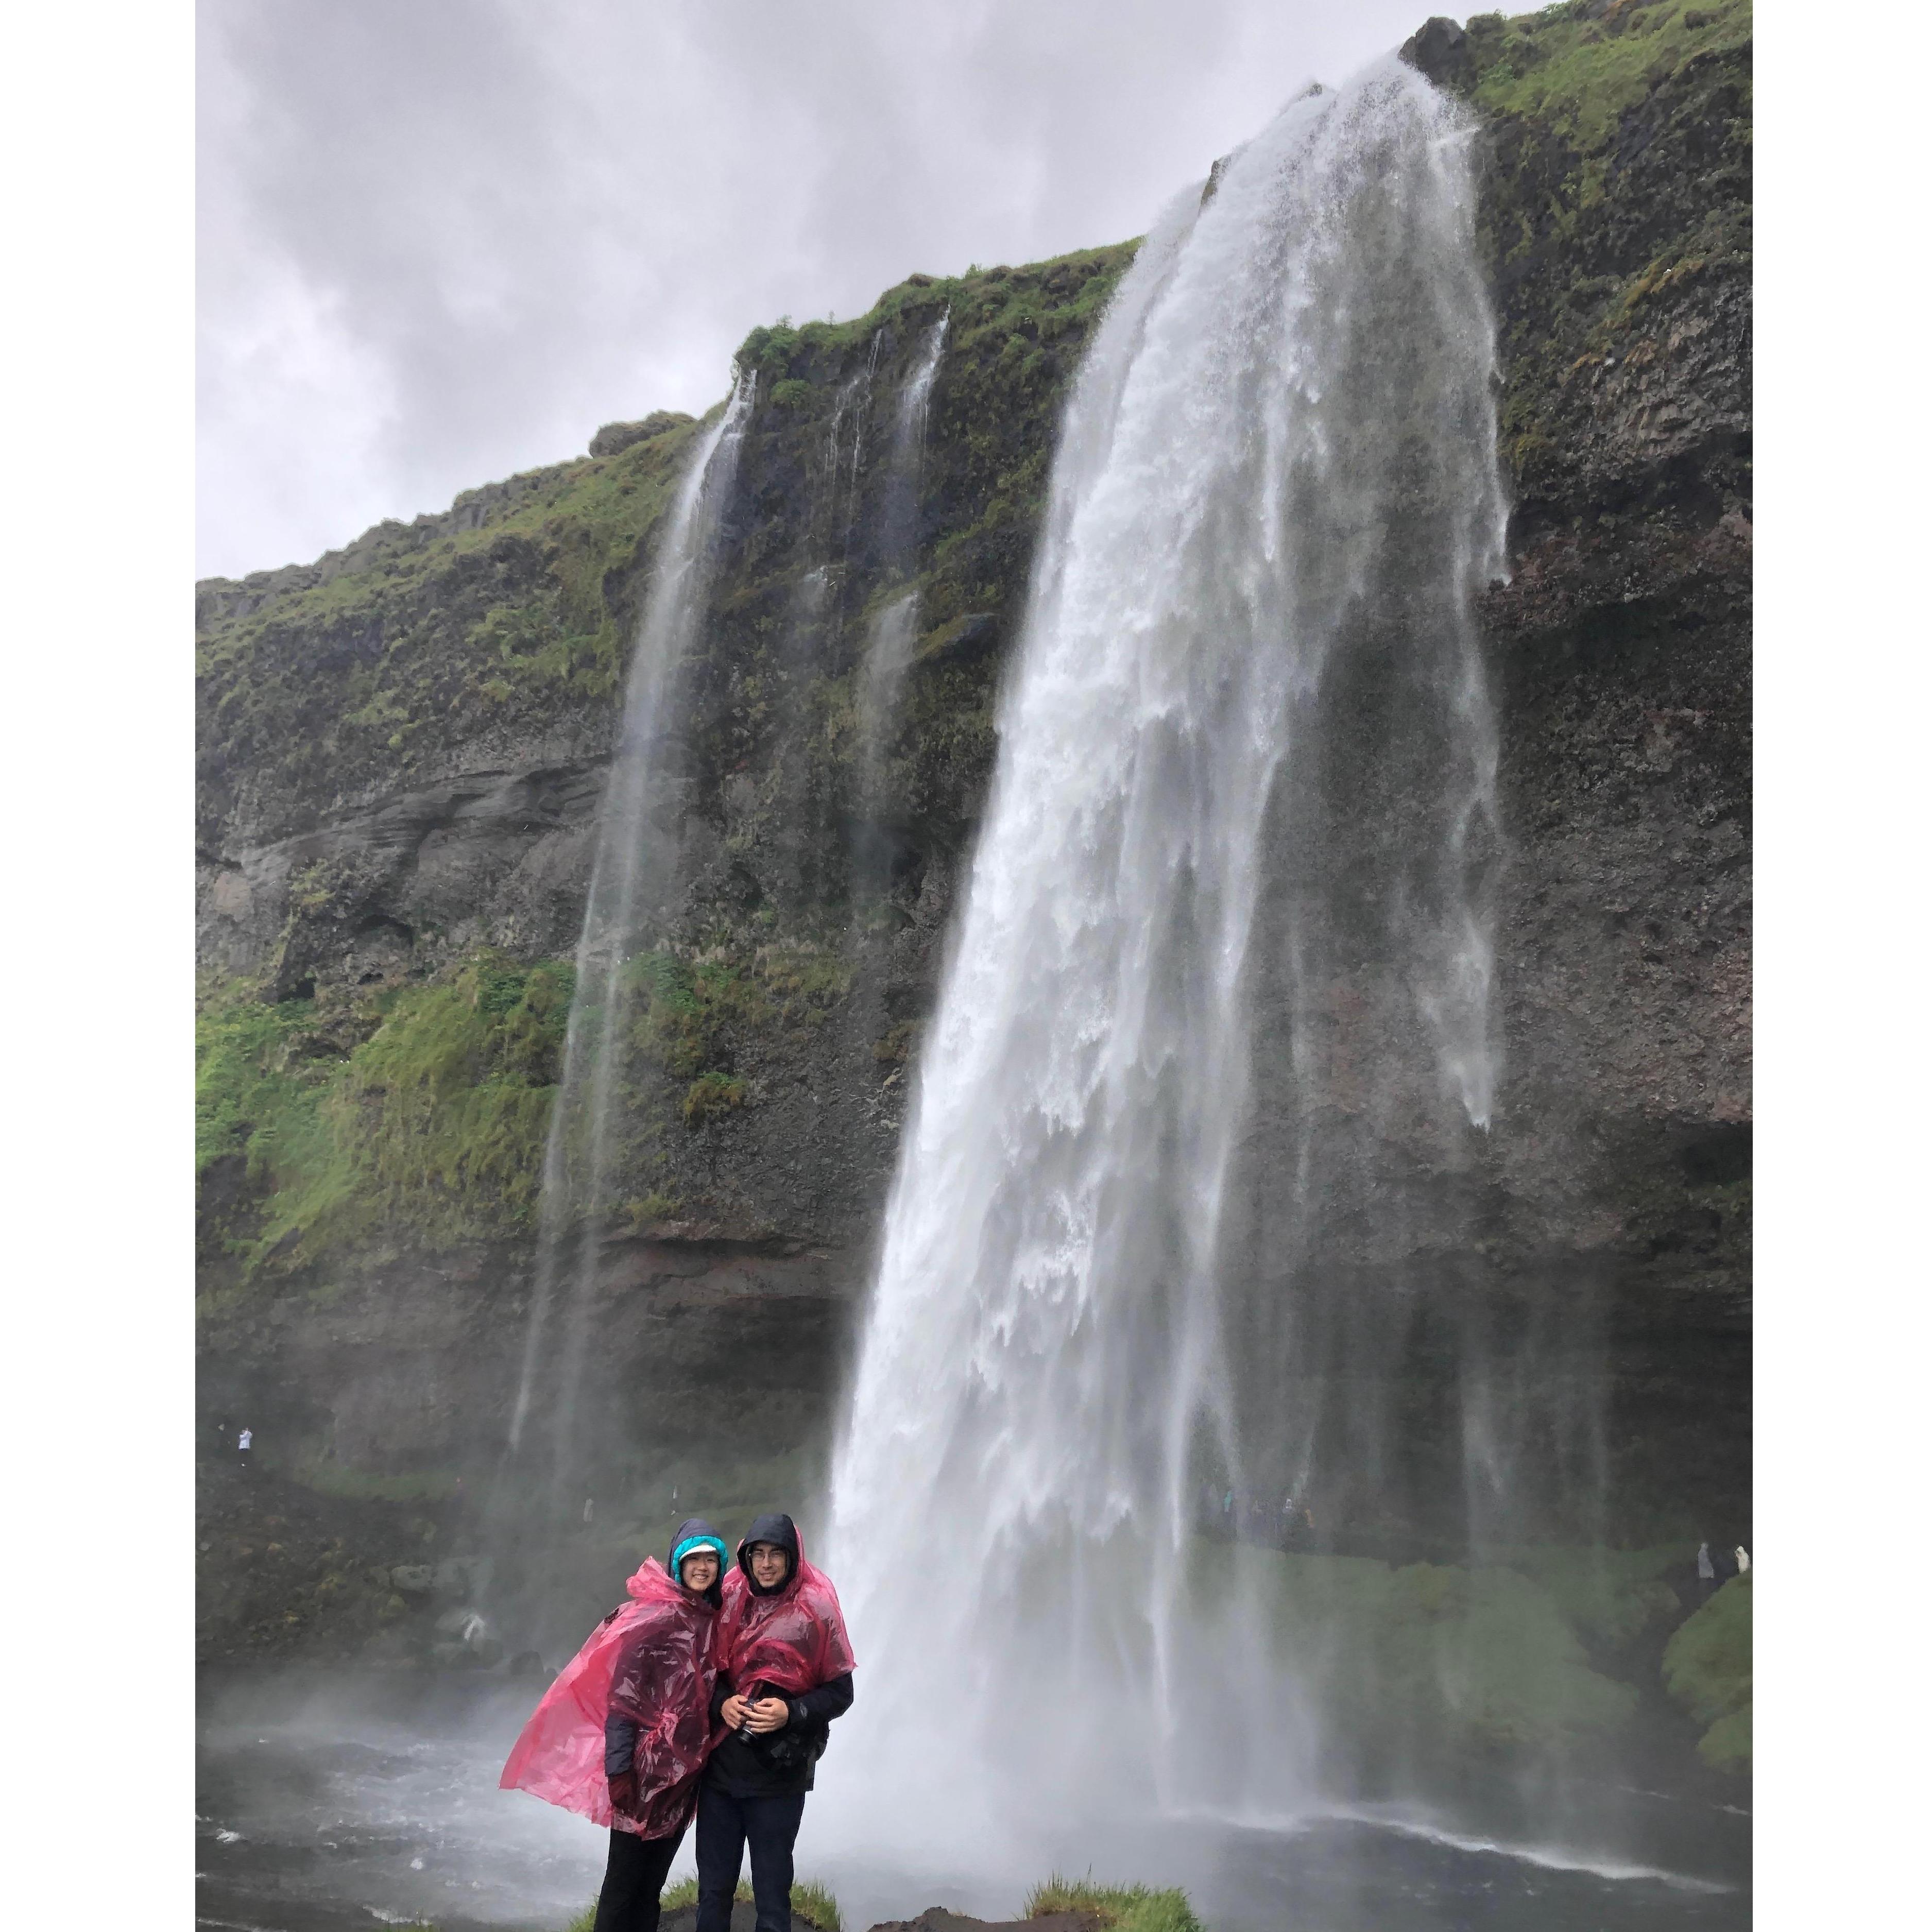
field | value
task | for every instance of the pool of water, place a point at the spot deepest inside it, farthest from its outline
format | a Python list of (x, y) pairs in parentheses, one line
[(326, 1803)]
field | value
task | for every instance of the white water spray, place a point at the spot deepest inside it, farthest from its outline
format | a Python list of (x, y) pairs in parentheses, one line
[(1281, 442)]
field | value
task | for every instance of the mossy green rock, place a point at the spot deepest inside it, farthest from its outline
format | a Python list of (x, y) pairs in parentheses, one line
[(1707, 1669), (1482, 1656)]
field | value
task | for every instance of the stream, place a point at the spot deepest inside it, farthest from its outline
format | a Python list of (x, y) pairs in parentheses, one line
[(332, 1800)]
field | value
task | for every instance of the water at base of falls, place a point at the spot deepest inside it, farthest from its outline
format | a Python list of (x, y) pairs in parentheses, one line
[(327, 1800), (1277, 481)]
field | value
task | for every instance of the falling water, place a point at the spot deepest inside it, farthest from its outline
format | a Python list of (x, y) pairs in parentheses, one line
[(1276, 481), (633, 865), (889, 648)]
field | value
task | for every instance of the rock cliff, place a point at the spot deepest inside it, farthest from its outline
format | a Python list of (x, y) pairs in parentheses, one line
[(403, 745)]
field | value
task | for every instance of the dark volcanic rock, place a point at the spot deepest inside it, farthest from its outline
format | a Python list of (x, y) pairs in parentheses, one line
[(937, 1918)]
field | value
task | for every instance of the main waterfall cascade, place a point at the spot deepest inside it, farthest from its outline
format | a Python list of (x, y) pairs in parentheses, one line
[(633, 865), (1194, 989)]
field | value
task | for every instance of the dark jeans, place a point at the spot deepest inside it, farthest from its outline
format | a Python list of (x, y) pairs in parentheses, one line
[(725, 1825), (634, 1880)]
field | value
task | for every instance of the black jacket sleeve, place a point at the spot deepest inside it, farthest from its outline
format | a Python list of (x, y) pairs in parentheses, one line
[(833, 1698), (620, 1744), (720, 1691)]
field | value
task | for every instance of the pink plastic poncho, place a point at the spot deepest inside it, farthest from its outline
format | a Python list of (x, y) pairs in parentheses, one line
[(791, 1642), (654, 1661)]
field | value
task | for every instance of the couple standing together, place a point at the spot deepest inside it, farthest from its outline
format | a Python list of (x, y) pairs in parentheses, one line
[(712, 1691)]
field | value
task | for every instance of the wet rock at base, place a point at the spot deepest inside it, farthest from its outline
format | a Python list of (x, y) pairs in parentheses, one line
[(744, 1918), (937, 1918)]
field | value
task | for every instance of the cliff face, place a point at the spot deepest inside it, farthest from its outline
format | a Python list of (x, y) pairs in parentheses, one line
[(403, 747)]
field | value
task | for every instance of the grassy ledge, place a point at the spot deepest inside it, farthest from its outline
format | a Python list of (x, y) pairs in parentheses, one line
[(1114, 1908), (811, 1904)]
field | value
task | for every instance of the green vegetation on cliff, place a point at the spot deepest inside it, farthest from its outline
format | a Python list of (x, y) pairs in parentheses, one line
[(1620, 133), (1484, 1657), (419, 1112), (1707, 1668), (418, 1107), (516, 603)]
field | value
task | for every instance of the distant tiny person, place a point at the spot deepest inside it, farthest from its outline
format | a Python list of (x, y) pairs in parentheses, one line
[(1707, 1571), (1743, 1559), (588, 1511), (245, 1449)]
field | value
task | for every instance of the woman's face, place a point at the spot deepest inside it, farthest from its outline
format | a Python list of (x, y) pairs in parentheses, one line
[(769, 1565), (699, 1569)]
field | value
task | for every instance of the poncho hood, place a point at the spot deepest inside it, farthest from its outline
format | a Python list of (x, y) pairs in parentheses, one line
[(653, 1660), (791, 1641)]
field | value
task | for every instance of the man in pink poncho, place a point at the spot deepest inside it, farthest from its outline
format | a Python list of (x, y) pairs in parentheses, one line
[(621, 1736), (785, 1672)]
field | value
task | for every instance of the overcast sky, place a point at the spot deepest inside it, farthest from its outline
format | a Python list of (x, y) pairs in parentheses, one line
[(442, 241)]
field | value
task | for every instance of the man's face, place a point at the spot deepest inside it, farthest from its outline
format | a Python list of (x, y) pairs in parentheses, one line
[(700, 1569), (769, 1565)]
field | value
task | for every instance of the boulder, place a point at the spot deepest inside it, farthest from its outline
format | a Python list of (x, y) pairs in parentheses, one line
[(615, 437), (937, 1918)]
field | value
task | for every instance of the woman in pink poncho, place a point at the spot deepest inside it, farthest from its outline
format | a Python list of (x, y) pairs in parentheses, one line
[(622, 1734)]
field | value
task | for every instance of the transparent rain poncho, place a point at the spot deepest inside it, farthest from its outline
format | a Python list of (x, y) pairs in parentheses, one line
[(791, 1642), (655, 1661)]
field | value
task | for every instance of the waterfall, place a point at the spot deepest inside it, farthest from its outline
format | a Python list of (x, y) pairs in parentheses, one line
[(1276, 483), (632, 869), (888, 647)]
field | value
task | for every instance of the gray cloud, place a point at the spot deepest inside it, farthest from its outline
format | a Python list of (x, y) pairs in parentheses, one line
[(442, 240)]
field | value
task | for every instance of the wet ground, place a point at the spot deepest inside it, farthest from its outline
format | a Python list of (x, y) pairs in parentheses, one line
[(352, 1801)]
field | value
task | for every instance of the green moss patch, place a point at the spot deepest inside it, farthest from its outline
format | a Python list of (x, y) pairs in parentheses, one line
[(423, 1107), (1707, 1669), (1480, 1659)]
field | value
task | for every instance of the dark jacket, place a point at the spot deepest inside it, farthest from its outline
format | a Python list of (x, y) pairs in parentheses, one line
[(620, 1733), (781, 1763)]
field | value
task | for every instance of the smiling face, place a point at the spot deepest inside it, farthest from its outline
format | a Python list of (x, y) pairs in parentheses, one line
[(768, 1563), (699, 1570)]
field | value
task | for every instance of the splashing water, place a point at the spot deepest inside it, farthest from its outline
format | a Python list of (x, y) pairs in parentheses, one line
[(633, 867), (1277, 467)]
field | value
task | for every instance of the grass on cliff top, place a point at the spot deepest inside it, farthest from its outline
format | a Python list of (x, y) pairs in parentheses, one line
[(1041, 300), (1115, 1908), (425, 632), (595, 508), (1578, 74)]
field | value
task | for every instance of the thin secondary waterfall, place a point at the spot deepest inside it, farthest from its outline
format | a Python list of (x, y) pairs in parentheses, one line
[(1277, 473), (889, 648), (636, 848)]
